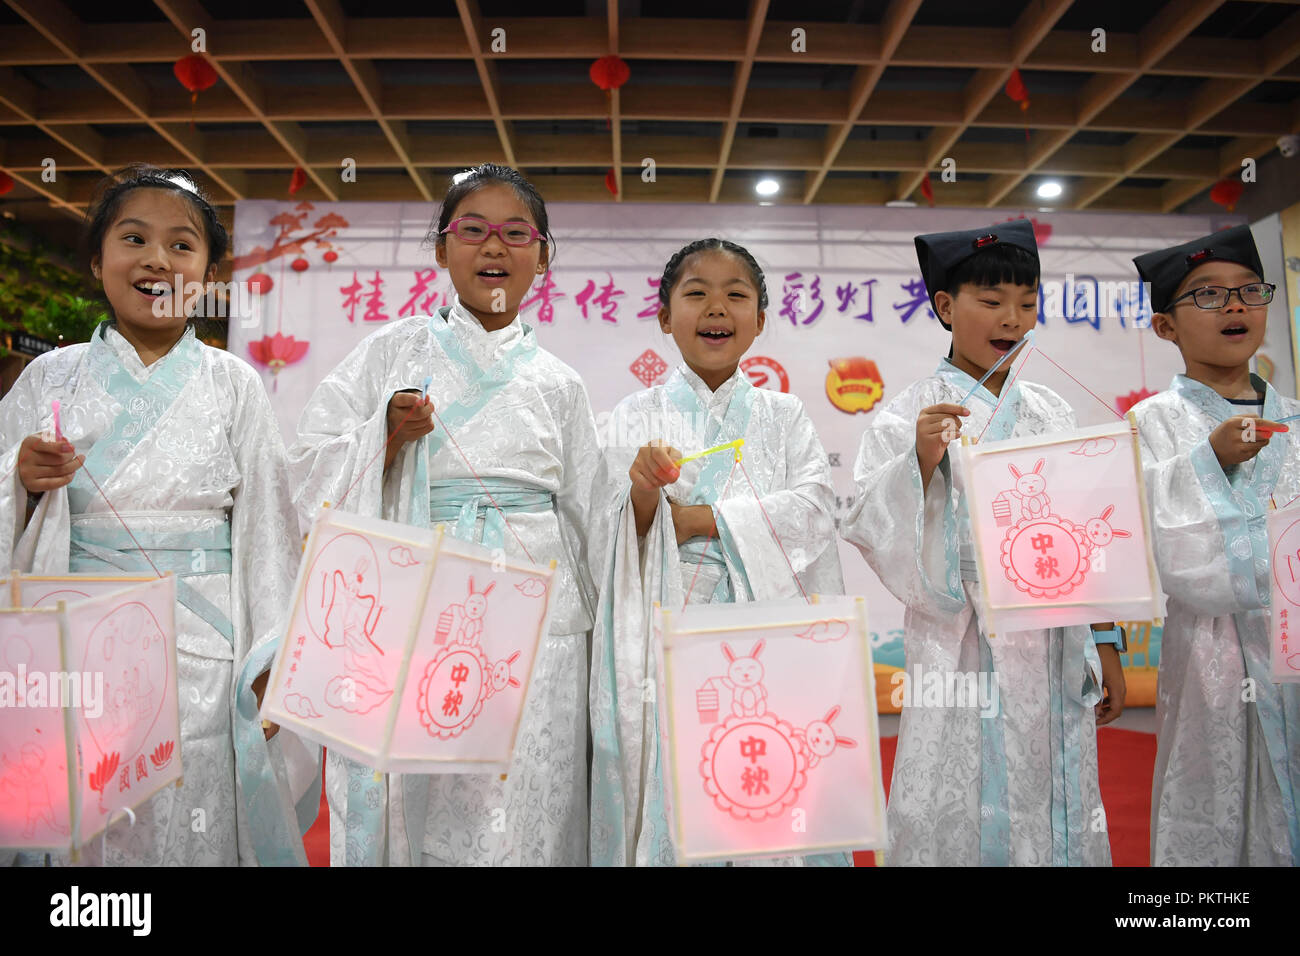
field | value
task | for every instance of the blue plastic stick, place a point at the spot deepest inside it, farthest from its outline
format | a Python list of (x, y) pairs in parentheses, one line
[(996, 365)]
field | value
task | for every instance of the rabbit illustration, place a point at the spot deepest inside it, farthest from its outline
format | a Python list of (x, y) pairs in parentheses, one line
[(1030, 493), (820, 740), (1100, 532), (501, 678), (475, 606), (745, 679)]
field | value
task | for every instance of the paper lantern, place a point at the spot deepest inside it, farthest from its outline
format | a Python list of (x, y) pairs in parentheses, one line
[(299, 265), (69, 769), (927, 189), (611, 182), (331, 256), (6, 184), (609, 72), (769, 708), (277, 351), (297, 180), (1060, 529), (260, 283), (1017, 90), (408, 650), (1226, 192), (195, 73), (1283, 546)]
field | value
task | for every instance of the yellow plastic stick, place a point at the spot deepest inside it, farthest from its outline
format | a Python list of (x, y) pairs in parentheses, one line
[(709, 451)]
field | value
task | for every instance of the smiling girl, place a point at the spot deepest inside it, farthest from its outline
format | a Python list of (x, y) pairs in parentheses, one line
[(523, 422), (655, 523), (178, 438)]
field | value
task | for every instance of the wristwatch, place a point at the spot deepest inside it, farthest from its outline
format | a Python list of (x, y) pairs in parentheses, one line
[(1111, 635)]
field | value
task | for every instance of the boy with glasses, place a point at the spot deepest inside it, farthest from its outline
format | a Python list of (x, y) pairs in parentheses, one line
[(1227, 771)]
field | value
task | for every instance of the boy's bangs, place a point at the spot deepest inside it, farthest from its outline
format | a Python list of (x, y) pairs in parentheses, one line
[(994, 266)]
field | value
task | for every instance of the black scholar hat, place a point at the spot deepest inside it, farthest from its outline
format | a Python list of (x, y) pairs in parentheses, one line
[(939, 253), (1165, 269)]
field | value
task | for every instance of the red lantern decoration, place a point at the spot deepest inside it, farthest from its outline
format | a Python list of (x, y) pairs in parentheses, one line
[(299, 265), (1226, 192), (609, 72), (611, 182), (297, 180), (927, 190), (6, 183), (1017, 90), (331, 256), (277, 351), (260, 283), (196, 74)]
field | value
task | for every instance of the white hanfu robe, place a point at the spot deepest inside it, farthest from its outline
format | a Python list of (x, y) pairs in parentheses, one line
[(785, 460), (1227, 771), (523, 421), (188, 453), (1017, 788)]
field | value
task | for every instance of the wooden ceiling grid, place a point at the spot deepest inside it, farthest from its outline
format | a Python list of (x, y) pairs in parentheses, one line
[(860, 117)]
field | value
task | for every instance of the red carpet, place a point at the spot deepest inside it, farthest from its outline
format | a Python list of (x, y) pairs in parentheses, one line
[(1125, 757)]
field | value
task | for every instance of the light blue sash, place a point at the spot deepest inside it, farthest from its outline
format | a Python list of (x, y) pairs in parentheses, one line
[(459, 501), (1241, 504), (276, 841), (144, 404), (113, 549)]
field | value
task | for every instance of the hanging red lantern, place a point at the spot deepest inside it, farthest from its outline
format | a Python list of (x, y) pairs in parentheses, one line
[(297, 180), (196, 74), (611, 182), (1226, 192), (299, 265), (6, 183), (609, 72), (927, 189), (275, 352), (260, 283), (1017, 90), (331, 256)]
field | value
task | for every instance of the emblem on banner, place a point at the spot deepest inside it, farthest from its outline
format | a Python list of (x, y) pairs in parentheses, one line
[(648, 367), (764, 372), (854, 384)]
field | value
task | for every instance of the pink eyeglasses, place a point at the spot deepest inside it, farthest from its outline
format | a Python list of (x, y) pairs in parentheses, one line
[(475, 230)]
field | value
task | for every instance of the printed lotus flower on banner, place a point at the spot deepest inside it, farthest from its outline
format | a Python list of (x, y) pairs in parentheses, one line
[(277, 351)]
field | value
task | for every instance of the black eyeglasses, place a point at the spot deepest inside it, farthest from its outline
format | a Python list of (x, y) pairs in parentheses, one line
[(1212, 297)]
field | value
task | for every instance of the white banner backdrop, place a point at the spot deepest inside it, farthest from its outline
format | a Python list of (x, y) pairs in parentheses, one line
[(848, 324)]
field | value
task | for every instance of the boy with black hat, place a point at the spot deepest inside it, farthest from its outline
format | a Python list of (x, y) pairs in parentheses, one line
[(1227, 771), (1019, 786)]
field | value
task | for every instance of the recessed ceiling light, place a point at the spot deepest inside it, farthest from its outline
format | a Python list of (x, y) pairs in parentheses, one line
[(901, 204), (1049, 190), (767, 187)]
